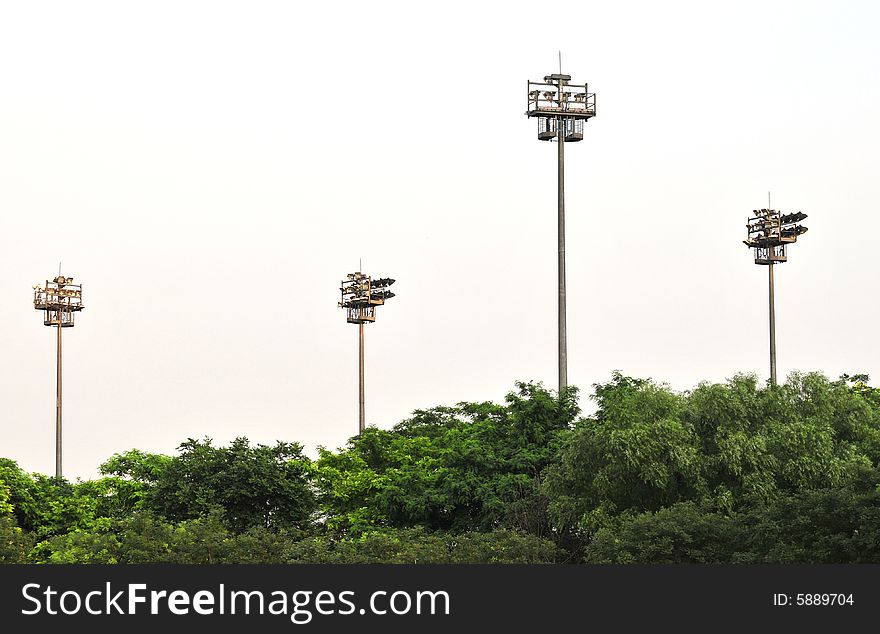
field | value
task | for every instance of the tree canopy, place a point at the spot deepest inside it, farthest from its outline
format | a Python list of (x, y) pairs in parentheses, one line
[(731, 472)]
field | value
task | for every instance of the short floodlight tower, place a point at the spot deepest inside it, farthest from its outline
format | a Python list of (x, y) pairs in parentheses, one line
[(60, 300), (561, 109), (769, 234), (360, 296)]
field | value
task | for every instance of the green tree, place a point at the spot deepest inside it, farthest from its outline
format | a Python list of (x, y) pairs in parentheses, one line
[(77, 547), (416, 545), (254, 485), (129, 478), (460, 468), (14, 543), (681, 533), (830, 525), (808, 433), (45, 507), (634, 454), (730, 472)]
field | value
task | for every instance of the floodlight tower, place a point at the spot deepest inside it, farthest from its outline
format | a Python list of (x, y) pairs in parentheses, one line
[(561, 108), (360, 296), (769, 234), (60, 299)]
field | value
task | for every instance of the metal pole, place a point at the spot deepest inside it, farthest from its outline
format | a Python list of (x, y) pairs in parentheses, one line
[(563, 345), (772, 326), (362, 417), (58, 404)]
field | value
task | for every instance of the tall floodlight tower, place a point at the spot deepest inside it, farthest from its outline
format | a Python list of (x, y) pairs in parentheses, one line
[(360, 296), (561, 109), (769, 234), (60, 299)]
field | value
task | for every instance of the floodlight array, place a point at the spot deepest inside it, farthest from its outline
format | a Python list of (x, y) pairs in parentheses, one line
[(61, 299), (361, 295)]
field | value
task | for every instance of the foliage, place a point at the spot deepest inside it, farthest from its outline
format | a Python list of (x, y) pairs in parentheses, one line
[(734, 472), (814, 526), (44, 506), (463, 468), (77, 547), (14, 543), (415, 545), (254, 486), (681, 533), (720, 446)]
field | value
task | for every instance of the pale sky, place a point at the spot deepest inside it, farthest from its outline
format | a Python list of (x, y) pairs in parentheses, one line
[(210, 171)]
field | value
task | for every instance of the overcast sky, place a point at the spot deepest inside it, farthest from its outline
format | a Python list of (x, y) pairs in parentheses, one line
[(210, 171)]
